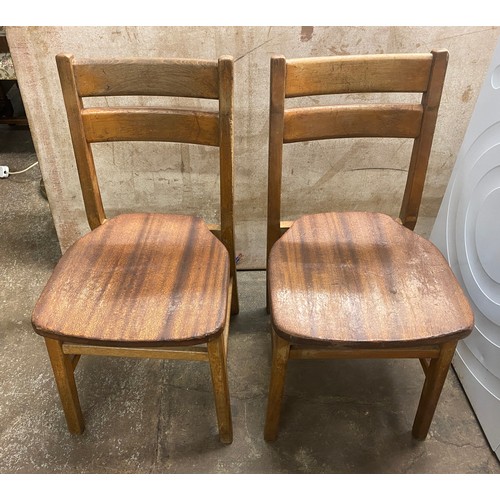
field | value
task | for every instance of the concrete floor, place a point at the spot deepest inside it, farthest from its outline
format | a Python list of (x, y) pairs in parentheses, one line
[(154, 416)]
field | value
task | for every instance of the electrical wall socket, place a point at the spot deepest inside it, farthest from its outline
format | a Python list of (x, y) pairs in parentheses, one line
[(4, 171)]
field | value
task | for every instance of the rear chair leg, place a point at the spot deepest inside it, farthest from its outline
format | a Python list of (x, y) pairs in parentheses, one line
[(281, 353), (235, 306), (62, 367), (434, 381), (218, 369)]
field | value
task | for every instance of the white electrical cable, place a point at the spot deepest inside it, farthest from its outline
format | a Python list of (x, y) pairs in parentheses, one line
[(25, 170)]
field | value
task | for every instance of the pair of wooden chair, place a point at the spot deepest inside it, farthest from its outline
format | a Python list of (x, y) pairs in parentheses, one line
[(339, 284)]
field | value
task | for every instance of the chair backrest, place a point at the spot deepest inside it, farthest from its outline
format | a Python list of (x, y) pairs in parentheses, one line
[(150, 77), (402, 73)]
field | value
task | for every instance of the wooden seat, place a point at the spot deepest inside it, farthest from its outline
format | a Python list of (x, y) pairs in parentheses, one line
[(359, 284), (161, 264), (355, 267), (144, 285)]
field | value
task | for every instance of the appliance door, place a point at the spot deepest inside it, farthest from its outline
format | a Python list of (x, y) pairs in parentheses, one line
[(467, 231)]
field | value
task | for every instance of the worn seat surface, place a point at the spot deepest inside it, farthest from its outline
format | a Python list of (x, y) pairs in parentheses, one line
[(138, 279), (358, 279)]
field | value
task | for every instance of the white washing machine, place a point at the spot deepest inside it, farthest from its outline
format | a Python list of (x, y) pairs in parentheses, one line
[(467, 231)]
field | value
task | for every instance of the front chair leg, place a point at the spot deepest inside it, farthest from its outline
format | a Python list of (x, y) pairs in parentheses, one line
[(281, 353), (65, 380), (434, 381), (218, 369)]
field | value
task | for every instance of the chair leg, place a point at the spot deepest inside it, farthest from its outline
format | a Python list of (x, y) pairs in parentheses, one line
[(235, 306), (281, 352), (218, 369), (434, 381), (62, 367)]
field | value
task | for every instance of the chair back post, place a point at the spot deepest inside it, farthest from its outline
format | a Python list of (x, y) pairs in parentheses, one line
[(82, 150), (226, 158), (422, 146), (275, 153)]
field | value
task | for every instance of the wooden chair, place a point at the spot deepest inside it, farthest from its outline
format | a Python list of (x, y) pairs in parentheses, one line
[(144, 285), (357, 284)]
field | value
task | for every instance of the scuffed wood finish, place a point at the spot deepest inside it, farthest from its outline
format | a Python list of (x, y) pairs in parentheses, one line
[(333, 122), (161, 77), (358, 73), (424, 363), (150, 124), (361, 280), (138, 280)]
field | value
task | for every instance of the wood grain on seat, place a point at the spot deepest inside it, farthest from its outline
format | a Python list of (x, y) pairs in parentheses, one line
[(363, 280), (138, 280)]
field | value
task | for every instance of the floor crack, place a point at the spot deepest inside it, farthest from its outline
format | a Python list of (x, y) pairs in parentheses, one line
[(457, 445)]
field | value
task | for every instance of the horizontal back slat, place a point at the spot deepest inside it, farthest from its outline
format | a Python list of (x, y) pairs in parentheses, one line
[(329, 122), (159, 77), (348, 74), (151, 124)]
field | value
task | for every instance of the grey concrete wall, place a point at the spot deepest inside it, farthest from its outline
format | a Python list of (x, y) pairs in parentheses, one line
[(322, 176)]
